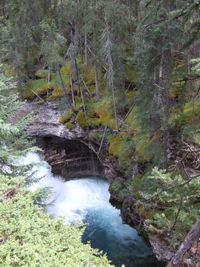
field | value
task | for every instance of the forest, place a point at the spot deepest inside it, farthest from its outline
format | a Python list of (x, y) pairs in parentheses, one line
[(125, 74)]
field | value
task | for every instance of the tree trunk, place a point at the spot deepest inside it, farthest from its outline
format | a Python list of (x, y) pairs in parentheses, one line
[(190, 239), (86, 49), (72, 89), (114, 105), (63, 86), (97, 83)]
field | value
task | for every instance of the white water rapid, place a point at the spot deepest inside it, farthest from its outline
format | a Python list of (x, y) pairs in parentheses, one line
[(86, 201)]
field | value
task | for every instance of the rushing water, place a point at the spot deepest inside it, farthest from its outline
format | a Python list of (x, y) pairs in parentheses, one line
[(86, 201)]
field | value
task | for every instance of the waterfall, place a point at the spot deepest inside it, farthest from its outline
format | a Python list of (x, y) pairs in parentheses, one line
[(86, 201)]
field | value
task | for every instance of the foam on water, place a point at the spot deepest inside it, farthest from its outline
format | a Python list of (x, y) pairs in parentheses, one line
[(86, 201)]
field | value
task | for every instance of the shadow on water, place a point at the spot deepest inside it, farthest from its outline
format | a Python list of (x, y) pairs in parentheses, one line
[(86, 201), (120, 242)]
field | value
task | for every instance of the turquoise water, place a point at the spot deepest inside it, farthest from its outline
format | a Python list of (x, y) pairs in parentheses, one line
[(120, 242), (86, 201)]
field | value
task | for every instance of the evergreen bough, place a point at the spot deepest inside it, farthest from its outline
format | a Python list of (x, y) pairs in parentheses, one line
[(31, 238), (28, 236)]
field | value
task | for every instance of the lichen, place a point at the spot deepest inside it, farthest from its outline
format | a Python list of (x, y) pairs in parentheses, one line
[(82, 119), (57, 92), (41, 73), (131, 75), (36, 87), (89, 75), (130, 95), (143, 147), (189, 114), (69, 125), (66, 116), (121, 146), (66, 70), (104, 110), (115, 144)]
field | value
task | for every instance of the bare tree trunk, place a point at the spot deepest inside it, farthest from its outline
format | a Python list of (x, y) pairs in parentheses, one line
[(102, 140), (97, 83), (63, 86), (48, 80), (79, 84), (190, 239), (72, 89), (86, 49), (165, 72), (83, 101), (49, 75), (107, 44), (86, 87), (114, 106), (95, 56)]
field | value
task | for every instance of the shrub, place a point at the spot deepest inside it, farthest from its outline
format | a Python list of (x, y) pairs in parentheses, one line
[(31, 238)]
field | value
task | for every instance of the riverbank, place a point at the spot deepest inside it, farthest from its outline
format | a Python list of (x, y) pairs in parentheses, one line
[(121, 188), (31, 237), (86, 201), (59, 142)]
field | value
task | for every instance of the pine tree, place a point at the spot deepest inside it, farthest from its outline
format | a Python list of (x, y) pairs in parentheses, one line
[(14, 141), (157, 35)]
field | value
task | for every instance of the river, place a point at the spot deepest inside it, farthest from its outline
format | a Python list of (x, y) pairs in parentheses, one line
[(86, 201)]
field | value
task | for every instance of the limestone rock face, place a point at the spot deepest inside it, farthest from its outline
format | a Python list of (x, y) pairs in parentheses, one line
[(70, 153), (46, 122)]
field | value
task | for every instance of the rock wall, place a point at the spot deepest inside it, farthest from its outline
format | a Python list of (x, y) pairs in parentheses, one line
[(70, 158), (72, 154)]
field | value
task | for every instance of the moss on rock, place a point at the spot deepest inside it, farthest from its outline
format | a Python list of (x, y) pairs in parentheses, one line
[(36, 87), (66, 116)]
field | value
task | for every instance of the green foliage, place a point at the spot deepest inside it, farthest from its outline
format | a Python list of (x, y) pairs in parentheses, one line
[(41, 74), (122, 147), (22, 46), (119, 188), (130, 97), (85, 121), (28, 236), (31, 238), (89, 75), (66, 116), (131, 75), (82, 119), (52, 43), (104, 111), (166, 200), (196, 65), (69, 125), (191, 111), (97, 113), (192, 133), (36, 87), (4, 39), (146, 146), (189, 114), (13, 141), (121, 62), (52, 89)]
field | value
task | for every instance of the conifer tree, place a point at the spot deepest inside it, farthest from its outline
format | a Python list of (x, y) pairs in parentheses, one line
[(14, 141), (154, 58)]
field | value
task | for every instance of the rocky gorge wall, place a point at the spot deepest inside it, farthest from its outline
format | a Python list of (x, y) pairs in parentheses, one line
[(70, 159), (71, 153)]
